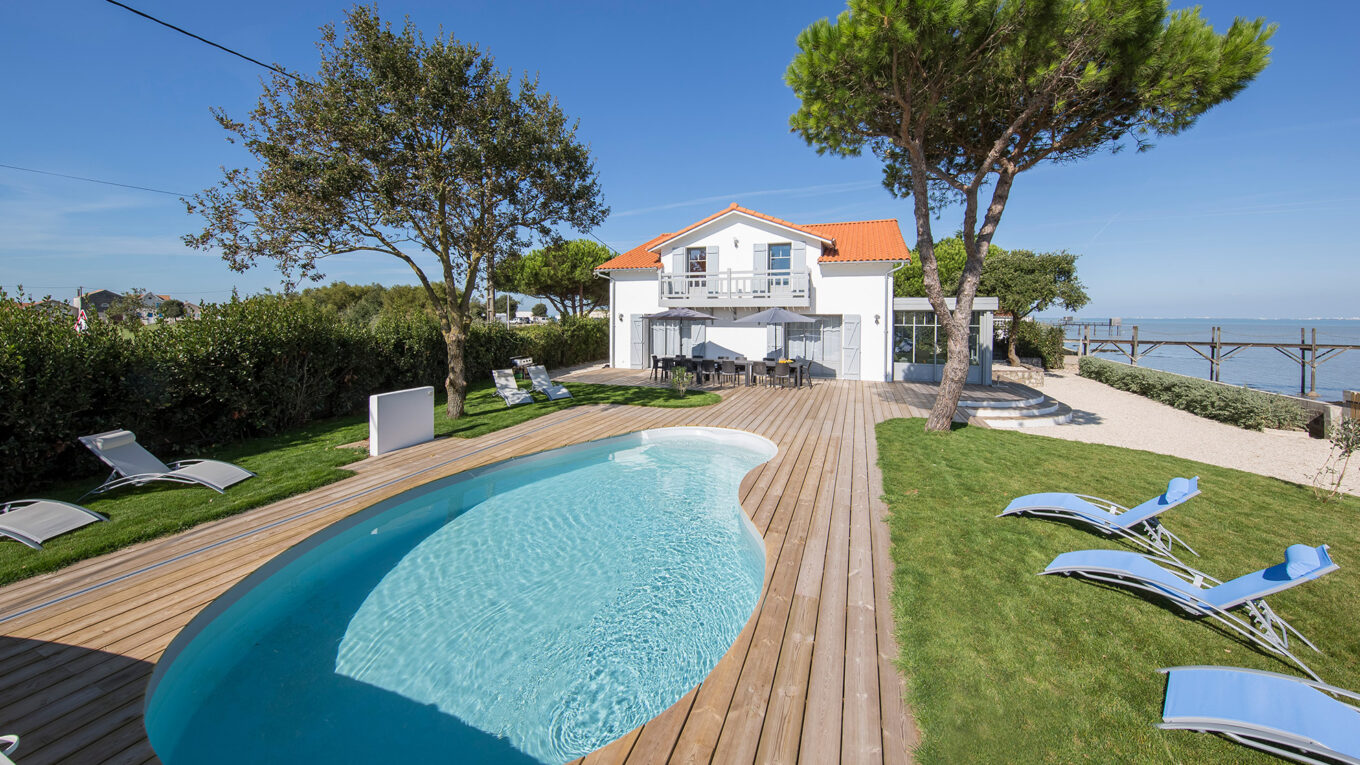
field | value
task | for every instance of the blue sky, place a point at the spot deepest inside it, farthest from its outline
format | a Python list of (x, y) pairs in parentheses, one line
[(685, 108)]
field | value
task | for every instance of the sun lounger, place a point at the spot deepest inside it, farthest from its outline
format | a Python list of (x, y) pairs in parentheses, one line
[(1138, 525), (1283, 715), (509, 389), (10, 743), (1184, 586), (34, 521), (539, 377), (134, 465)]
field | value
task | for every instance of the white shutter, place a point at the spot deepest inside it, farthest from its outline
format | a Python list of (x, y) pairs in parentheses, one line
[(850, 347), (637, 356), (798, 259), (711, 259), (677, 260)]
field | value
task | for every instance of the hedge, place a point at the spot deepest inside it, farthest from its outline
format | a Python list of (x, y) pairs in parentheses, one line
[(247, 368), (1242, 407)]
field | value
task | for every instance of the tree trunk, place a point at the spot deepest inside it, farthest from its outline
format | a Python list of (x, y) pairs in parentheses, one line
[(1011, 357), (455, 384), (953, 377)]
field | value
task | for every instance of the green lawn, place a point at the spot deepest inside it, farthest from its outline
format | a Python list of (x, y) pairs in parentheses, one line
[(286, 465), (1006, 666)]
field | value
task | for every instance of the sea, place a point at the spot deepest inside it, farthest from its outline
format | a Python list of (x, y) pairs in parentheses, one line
[(1262, 368)]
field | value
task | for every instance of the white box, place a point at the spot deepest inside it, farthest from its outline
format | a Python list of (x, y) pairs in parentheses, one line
[(400, 419)]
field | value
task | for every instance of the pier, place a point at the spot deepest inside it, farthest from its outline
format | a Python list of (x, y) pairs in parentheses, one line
[(1308, 353)]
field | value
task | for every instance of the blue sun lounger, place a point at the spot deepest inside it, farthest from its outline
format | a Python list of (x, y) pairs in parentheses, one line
[(1138, 525), (1184, 587), (1286, 716)]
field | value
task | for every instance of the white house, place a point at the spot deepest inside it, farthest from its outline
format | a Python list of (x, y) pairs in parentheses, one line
[(739, 261)]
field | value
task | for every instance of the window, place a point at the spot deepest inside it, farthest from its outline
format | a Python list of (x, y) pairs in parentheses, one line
[(696, 260), (918, 338), (781, 257)]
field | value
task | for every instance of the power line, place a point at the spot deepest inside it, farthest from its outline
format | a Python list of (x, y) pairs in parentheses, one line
[(270, 67), (93, 180)]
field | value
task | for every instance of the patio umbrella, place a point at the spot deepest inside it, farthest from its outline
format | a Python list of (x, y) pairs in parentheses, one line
[(775, 316), (680, 313)]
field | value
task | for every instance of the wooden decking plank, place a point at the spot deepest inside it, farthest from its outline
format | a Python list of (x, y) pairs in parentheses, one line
[(861, 731), (740, 734), (781, 733)]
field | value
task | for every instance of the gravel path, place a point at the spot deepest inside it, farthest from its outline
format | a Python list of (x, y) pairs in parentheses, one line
[(1103, 415)]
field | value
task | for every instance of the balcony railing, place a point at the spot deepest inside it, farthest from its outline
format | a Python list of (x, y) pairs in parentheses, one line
[(735, 288)]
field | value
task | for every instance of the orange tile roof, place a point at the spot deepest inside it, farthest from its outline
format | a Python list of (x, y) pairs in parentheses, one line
[(638, 257), (865, 240), (853, 241)]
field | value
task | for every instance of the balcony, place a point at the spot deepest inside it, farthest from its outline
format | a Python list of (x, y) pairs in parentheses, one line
[(735, 289)]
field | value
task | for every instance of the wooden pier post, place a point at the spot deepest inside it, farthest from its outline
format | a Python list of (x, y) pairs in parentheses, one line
[(1133, 349), (1085, 341), (1215, 338), (1303, 362), (1312, 365)]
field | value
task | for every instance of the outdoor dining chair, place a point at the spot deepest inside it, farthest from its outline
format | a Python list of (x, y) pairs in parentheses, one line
[(761, 371), (707, 369), (729, 369), (656, 366), (783, 373)]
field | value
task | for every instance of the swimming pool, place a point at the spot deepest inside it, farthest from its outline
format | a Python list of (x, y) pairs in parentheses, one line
[(530, 611)]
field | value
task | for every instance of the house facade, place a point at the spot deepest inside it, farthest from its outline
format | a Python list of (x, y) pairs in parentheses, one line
[(739, 261)]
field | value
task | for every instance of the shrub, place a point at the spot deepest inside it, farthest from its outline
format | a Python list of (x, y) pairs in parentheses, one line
[(1242, 407), (246, 368), (1033, 339)]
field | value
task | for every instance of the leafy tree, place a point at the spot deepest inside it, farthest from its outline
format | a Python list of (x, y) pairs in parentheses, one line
[(950, 256), (563, 274), (540, 310), (129, 307), (172, 308), (421, 151), (1026, 282), (958, 96)]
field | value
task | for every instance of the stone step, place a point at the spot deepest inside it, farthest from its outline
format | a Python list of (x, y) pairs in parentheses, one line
[(1038, 408), (1061, 414)]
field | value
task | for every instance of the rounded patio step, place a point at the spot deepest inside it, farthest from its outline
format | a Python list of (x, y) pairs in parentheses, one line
[(1038, 408), (1025, 396), (1057, 414)]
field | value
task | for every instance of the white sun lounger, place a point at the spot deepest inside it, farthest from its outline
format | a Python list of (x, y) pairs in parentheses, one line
[(34, 521), (539, 377), (509, 389), (1139, 525), (134, 465), (10, 743), (1202, 595)]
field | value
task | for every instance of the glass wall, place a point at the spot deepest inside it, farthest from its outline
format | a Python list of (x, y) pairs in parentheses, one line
[(918, 338)]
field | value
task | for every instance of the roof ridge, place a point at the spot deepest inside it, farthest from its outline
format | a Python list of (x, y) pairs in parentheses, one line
[(850, 222)]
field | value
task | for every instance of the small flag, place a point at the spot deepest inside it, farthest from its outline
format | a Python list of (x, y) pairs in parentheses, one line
[(82, 323)]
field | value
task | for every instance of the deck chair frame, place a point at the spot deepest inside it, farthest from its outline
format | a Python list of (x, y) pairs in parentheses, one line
[(508, 389), (1267, 740), (1265, 628), (117, 478), (538, 377), (1155, 537), (16, 505)]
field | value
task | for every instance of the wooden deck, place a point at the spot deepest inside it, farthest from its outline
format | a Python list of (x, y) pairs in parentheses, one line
[(811, 677)]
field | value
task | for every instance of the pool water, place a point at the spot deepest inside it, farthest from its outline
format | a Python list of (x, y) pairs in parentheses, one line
[(528, 612)]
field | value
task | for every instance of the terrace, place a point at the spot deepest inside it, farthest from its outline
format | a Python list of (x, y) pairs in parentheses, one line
[(812, 676)]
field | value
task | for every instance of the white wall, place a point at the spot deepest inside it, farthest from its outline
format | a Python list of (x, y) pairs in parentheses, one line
[(860, 289), (736, 238), (635, 292)]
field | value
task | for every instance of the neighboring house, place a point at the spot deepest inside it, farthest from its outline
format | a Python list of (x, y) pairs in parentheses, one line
[(55, 308), (739, 261), (97, 303)]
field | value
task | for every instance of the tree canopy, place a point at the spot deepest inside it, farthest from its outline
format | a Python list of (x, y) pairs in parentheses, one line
[(563, 274), (958, 96), (419, 150), (1026, 282), (950, 257)]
